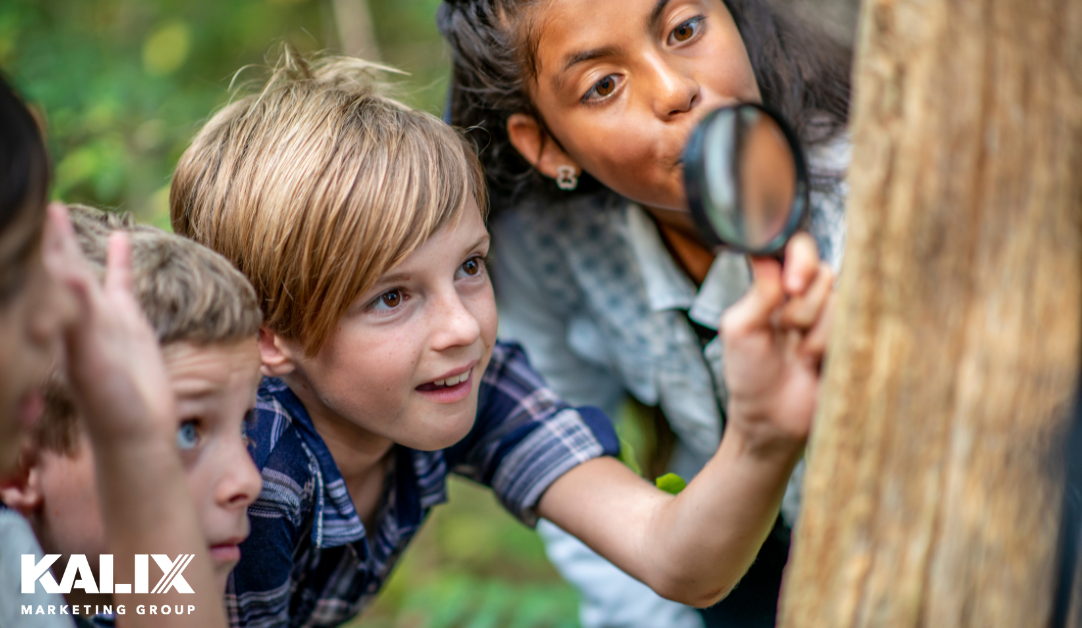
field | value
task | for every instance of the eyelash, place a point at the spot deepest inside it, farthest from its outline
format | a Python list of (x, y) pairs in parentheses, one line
[(479, 260), (696, 25), (591, 97), (374, 305)]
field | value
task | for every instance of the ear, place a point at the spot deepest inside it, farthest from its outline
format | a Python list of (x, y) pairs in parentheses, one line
[(21, 491), (535, 145), (275, 354)]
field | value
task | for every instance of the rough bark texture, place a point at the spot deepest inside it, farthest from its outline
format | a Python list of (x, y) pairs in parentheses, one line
[(933, 490)]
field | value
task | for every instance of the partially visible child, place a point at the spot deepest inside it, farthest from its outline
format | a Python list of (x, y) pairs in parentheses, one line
[(206, 318), (361, 226), (583, 109), (49, 301)]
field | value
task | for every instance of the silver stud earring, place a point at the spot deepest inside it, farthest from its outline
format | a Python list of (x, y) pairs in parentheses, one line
[(567, 178)]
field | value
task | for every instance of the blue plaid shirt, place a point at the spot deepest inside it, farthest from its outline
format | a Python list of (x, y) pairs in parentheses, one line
[(309, 560)]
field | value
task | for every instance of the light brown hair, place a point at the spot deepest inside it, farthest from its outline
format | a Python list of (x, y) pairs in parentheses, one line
[(187, 292), (317, 185)]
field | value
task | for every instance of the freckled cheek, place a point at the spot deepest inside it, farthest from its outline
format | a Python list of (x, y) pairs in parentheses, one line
[(365, 369)]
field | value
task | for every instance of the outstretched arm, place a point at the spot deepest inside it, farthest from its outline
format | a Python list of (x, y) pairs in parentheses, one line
[(695, 546)]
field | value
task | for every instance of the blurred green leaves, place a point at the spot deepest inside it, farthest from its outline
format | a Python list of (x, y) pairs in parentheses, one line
[(167, 48), (124, 84), (473, 566)]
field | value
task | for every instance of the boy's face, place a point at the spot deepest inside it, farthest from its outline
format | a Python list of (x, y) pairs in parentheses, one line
[(34, 308), (406, 360), (215, 388)]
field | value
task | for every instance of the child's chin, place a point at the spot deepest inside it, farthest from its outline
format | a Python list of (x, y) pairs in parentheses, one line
[(440, 436)]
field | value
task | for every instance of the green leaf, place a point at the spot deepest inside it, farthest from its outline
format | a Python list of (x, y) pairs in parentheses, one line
[(627, 456), (671, 483)]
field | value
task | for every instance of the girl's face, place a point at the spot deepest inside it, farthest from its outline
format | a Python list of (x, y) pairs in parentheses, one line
[(621, 84), (34, 308)]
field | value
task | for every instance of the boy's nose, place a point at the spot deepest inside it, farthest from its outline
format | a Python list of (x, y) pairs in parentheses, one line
[(453, 324), (241, 483)]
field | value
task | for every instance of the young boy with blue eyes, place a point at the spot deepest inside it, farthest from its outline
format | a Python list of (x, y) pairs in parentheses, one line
[(360, 223), (206, 318)]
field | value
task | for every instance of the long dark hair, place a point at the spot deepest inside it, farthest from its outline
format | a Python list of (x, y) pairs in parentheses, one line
[(24, 163), (802, 73)]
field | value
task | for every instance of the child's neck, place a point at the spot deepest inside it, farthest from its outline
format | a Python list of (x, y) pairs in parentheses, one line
[(694, 258), (363, 458)]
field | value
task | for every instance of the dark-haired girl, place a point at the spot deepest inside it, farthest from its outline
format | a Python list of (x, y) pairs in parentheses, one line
[(581, 109)]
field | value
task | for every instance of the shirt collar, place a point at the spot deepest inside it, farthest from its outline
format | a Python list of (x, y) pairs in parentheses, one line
[(669, 288), (419, 481)]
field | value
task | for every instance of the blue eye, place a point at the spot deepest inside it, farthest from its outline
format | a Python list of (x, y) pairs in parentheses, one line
[(686, 30), (388, 300), (188, 435)]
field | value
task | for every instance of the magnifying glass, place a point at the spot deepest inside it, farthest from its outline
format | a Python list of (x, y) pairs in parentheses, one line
[(746, 180)]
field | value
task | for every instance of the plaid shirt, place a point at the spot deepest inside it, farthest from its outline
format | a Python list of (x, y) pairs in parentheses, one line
[(309, 560)]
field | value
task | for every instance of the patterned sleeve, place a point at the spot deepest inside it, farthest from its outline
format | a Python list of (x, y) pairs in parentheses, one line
[(526, 437), (259, 589)]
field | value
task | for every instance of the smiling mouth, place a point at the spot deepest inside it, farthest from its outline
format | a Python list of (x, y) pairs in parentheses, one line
[(450, 382)]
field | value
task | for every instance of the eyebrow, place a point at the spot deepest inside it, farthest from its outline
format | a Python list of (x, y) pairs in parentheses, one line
[(574, 59), (403, 276), (655, 15), (483, 239)]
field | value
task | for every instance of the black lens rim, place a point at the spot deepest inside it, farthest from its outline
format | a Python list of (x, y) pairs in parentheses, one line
[(695, 184)]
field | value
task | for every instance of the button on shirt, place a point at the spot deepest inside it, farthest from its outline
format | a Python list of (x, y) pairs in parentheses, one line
[(309, 560)]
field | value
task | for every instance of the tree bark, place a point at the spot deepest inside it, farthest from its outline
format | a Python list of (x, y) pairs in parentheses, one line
[(933, 490)]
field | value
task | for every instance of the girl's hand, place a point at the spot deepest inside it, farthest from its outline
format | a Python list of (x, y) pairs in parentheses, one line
[(774, 341)]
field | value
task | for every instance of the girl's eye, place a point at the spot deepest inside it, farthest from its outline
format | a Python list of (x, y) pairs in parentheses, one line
[(685, 31), (472, 267), (605, 86), (188, 435), (601, 89), (388, 300)]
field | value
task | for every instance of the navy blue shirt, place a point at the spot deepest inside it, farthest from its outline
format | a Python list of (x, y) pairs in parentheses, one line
[(309, 560)]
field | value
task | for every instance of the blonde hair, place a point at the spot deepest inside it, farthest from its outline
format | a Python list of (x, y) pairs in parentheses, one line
[(317, 185), (187, 292)]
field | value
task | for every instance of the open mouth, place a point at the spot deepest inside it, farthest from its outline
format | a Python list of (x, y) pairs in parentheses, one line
[(455, 381)]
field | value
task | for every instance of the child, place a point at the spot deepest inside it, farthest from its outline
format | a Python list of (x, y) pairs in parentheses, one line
[(360, 224), (206, 318), (585, 108), (49, 300)]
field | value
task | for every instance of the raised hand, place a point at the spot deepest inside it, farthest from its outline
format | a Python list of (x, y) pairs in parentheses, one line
[(774, 340)]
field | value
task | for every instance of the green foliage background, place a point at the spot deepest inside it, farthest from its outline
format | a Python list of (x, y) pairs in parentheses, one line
[(123, 85)]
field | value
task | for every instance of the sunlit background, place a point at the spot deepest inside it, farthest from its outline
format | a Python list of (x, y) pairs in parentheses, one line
[(122, 85)]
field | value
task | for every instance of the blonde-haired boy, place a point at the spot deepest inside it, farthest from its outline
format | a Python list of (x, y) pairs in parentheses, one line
[(360, 224), (206, 318)]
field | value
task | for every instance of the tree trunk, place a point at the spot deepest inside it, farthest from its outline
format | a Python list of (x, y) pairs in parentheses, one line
[(933, 490), (355, 31)]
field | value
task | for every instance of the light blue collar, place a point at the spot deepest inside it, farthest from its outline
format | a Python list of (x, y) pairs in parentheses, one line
[(669, 288)]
